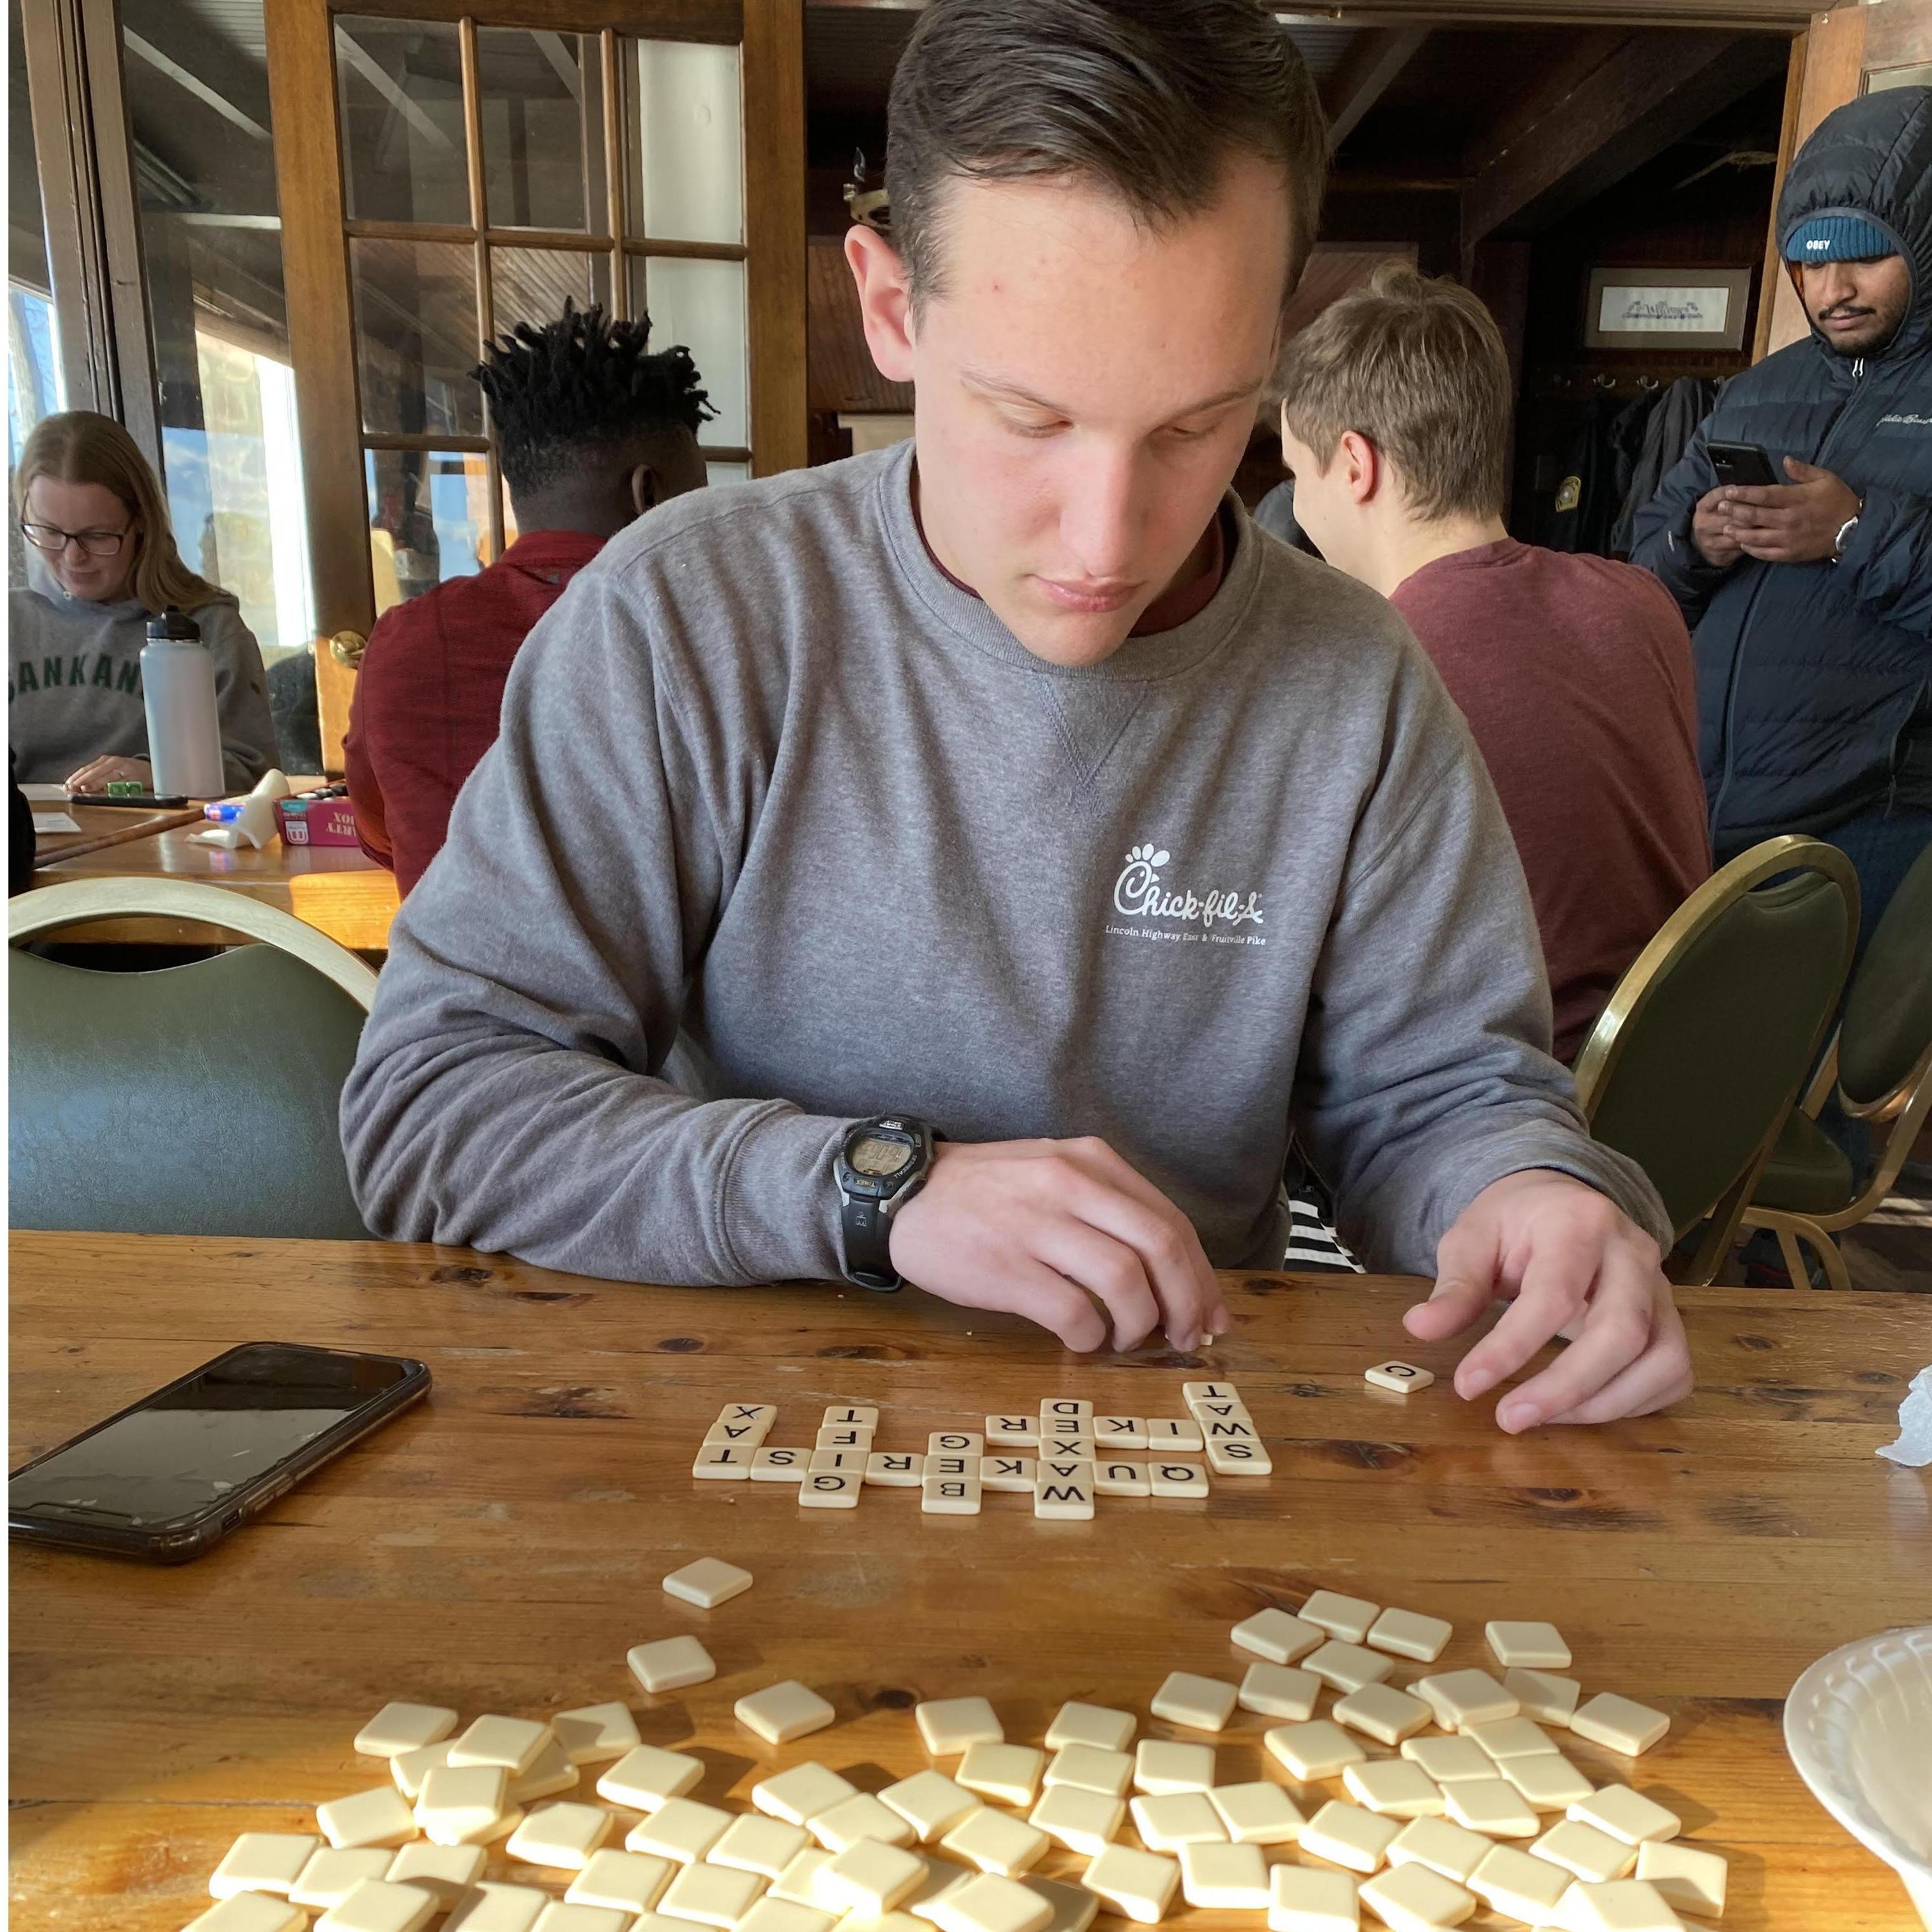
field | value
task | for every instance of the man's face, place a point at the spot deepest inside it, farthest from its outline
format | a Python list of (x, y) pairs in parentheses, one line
[(1325, 505), (1859, 305), (1085, 389)]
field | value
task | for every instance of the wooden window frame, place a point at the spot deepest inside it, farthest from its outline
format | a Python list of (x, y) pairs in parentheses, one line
[(317, 231)]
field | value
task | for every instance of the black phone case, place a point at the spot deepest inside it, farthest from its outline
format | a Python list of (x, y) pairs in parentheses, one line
[(184, 1543), (1730, 461)]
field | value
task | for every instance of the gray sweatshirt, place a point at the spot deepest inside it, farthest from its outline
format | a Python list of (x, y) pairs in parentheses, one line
[(771, 788), (74, 684)]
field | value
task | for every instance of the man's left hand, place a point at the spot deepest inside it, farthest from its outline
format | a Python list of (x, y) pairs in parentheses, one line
[(1570, 1264), (1794, 523)]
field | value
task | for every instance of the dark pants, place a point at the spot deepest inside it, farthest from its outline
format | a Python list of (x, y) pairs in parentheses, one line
[(1883, 844)]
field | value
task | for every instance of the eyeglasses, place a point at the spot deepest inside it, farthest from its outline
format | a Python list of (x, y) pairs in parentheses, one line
[(90, 543)]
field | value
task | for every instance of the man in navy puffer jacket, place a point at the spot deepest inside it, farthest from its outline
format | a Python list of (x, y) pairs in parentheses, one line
[(1811, 603)]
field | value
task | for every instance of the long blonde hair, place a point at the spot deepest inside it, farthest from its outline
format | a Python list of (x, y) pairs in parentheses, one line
[(79, 446)]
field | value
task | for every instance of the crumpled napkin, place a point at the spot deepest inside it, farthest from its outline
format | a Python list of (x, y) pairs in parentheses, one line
[(1914, 1446)]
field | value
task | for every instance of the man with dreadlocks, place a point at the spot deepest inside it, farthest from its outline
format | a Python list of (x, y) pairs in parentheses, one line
[(592, 431)]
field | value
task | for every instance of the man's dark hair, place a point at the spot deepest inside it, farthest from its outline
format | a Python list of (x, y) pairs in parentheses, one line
[(1150, 97), (583, 381)]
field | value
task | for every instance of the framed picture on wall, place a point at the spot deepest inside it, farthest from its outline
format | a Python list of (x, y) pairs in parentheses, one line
[(1665, 309)]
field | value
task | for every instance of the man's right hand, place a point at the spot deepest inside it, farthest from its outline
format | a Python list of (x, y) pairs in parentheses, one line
[(1063, 1232), (1711, 529)]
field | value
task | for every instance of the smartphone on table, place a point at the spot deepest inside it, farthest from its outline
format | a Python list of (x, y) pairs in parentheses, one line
[(166, 1479), (1744, 463)]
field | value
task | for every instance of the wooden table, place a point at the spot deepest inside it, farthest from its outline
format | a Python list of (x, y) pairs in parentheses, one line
[(500, 1548), (334, 888), (103, 826)]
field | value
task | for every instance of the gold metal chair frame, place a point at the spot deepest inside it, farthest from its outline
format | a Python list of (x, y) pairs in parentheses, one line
[(1604, 1048), (1908, 1106), (78, 901)]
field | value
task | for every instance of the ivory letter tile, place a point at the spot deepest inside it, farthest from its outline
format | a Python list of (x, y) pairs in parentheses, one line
[(1345, 1835), (1412, 1898), (1161, 1766), (1202, 1703), (1062, 1496), (1302, 1899), (1121, 1479), (708, 1582), (955, 1442), (1186, 1482), (783, 1711), (1012, 1432), (845, 1415), (1451, 1849), (1139, 1885), (595, 1733), (847, 1436), (1013, 1475), (780, 1465), (828, 1489), (1277, 1636), (1348, 1618), (723, 1463), (1193, 1392), (948, 1726), (556, 1916), (409, 1769), (838, 1462), (646, 1777), (1226, 1878), (1406, 1633), (1399, 1377), (1167, 1433), (1259, 1813), (777, 1915), (1510, 1737), (1112, 1433), (1393, 1788), (796, 1885), (1530, 1646), (1313, 1751), (1619, 1725), (1239, 1458), (1010, 1773), (1094, 1724), (397, 1728), (896, 1469), (953, 1494), (671, 1664)]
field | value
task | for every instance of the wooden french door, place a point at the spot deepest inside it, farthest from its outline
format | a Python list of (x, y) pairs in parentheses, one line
[(446, 171)]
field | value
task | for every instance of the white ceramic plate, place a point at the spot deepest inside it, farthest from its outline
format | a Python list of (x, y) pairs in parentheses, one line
[(1859, 1727)]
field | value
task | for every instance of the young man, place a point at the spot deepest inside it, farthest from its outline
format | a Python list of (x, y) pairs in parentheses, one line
[(1574, 673), (1811, 600), (1019, 790), (592, 430)]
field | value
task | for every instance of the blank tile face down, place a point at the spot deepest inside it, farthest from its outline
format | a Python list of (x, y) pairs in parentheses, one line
[(671, 1664), (1177, 1818), (561, 1834), (1162, 1766), (1449, 1849), (1139, 1885), (1618, 1724), (263, 1861), (1448, 1760), (1547, 1699), (1111, 1771), (708, 1582), (595, 1733), (682, 1830), (1382, 1712), (1412, 1898), (781, 1712), (1394, 1787), (1202, 1703), (1492, 1805), (1302, 1898), (949, 1726), (1406, 1633), (1277, 1636), (755, 1842), (1276, 1690), (997, 1842), (1259, 1813), (931, 1803), (860, 1817), (869, 1877), (1351, 1618), (1627, 1815), (646, 1777), (1347, 1666), (799, 1794), (711, 1894), (1008, 1774), (1313, 1751), (1518, 1885), (1081, 1820), (376, 1817), (1619, 1905), (1533, 1646), (251, 1911), (377, 1906), (1226, 1878), (515, 1743), (1548, 1781), (397, 1728), (1686, 1877), (1461, 1698), (1345, 1835), (1585, 1851), (1095, 1724), (991, 1903)]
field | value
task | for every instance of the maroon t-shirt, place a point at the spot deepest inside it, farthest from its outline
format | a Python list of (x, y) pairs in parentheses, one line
[(430, 688), (1575, 675)]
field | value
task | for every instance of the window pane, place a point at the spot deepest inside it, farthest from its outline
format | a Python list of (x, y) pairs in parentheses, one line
[(686, 165), (542, 95), (197, 90), (415, 337), (401, 84), (530, 284), (429, 519), (700, 305), (34, 388), (727, 472)]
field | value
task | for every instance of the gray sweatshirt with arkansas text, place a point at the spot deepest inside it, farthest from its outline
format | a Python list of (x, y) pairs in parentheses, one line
[(771, 787)]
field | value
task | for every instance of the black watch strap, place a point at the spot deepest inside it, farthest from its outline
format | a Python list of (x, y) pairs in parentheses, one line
[(869, 1244)]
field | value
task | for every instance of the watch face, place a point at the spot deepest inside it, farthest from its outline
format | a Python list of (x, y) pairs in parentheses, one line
[(879, 1157)]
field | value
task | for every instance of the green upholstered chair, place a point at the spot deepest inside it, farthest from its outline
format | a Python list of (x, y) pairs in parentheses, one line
[(199, 1099), (1698, 1057), (1881, 1063)]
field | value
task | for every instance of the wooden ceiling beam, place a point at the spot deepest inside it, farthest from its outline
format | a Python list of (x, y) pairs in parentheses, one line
[(1373, 60), (1578, 135)]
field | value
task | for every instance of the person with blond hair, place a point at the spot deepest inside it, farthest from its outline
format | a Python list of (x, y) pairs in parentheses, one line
[(1573, 672), (102, 561)]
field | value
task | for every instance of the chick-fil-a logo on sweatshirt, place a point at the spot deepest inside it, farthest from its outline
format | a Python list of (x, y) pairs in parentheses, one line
[(1138, 893)]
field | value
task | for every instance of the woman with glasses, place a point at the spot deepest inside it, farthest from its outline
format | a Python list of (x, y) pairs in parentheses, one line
[(100, 561)]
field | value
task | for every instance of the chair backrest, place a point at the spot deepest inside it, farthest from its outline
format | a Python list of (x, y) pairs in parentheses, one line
[(1888, 1024), (200, 1098), (1698, 1057)]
